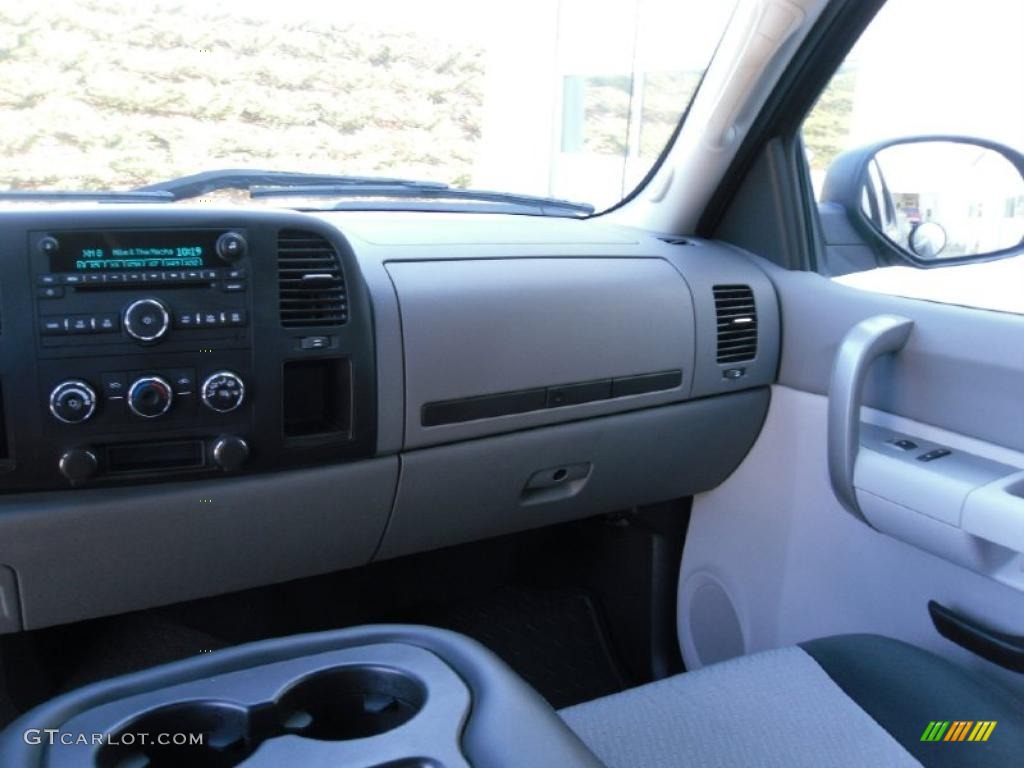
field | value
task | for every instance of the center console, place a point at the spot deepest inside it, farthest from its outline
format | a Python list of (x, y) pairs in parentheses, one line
[(368, 697), (155, 344)]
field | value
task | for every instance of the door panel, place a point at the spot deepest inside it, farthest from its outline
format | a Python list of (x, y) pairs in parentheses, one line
[(793, 563)]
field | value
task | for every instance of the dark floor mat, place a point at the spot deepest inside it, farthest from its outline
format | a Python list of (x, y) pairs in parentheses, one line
[(132, 642), (554, 639)]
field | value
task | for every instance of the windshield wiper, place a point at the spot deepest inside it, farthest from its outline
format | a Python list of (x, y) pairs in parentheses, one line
[(203, 183), (549, 206), (103, 196), (267, 184)]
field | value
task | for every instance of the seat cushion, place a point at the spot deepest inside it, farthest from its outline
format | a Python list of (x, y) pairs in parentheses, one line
[(797, 707), (904, 689)]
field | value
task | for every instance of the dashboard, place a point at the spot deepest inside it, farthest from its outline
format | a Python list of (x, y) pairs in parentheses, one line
[(198, 400)]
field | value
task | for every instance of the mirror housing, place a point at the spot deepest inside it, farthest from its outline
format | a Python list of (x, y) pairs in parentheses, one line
[(932, 200)]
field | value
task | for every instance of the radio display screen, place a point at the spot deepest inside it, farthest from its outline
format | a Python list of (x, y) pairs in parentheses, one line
[(112, 251)]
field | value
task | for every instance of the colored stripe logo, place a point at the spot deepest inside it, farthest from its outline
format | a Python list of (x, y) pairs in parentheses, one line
[(958, 730)]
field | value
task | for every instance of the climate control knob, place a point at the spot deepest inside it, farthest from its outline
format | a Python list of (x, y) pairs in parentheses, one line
[(222, 391), (150, 397), (73, 401), (146, 319)]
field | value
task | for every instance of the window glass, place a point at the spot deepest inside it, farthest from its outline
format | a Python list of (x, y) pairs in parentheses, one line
[(568, 98)]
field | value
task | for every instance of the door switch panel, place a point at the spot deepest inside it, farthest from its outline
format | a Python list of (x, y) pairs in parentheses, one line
[(954, 504)]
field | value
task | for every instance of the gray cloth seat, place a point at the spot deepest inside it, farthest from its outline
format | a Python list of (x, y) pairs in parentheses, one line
[(849, 700)]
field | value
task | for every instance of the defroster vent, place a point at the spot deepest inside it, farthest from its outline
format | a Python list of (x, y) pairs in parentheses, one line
[(311, 283), (737, 323)]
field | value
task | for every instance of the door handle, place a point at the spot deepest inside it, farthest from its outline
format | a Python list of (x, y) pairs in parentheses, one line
[(862, 345)]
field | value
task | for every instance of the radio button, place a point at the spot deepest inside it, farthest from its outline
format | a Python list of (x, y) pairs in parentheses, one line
[(106, 323), (52, 326), (50, 292), (78, 324), (146, 319), (48, 244), (230, 246), (72, 401)]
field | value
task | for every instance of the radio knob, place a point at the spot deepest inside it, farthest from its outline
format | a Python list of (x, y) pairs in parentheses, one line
[(230, 246), (150, 397), (72, 401), (78, 465), (146, 319), (229, 453), (222, 391), (48, 245)]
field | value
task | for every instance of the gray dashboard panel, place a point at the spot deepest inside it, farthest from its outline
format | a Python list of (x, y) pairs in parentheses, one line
[(489, 304), (479, 327), (471, 490), (79, 554)]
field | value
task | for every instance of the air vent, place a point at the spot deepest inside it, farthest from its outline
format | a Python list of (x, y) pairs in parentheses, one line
[(311, 284), (737, 323)]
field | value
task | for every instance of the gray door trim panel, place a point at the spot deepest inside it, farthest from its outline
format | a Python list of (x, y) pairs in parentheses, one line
[(961, 369)]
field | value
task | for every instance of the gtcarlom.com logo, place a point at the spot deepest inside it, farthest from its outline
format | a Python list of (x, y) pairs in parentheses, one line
[(55, 736), (958, 730)]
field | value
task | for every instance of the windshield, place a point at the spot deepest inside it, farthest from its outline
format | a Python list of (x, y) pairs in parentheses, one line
[(572, 99)]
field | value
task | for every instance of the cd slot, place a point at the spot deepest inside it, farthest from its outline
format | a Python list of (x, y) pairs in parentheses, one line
[(137, 458)]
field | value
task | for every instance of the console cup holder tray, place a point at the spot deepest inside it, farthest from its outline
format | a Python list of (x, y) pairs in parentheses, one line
[(371, 706)]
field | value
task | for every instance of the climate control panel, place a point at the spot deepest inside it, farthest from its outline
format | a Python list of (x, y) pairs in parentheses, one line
[(145, 395)]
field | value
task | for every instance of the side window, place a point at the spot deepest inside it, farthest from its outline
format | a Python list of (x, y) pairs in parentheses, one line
[(916, 155)]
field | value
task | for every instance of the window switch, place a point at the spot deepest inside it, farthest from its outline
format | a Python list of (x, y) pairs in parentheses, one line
[(902, 443), (938, 453)]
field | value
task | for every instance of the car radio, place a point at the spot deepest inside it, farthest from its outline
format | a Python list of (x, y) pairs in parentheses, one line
[(134, 288)]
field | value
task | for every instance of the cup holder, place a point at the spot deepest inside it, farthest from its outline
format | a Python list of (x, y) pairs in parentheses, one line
[(224, 730), (335, 704), (350, 703)]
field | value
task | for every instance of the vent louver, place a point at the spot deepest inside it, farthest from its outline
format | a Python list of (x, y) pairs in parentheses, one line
[(311, 284), (737, 323)]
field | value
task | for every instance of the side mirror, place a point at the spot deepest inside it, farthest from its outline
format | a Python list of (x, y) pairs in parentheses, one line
[(932, 200)]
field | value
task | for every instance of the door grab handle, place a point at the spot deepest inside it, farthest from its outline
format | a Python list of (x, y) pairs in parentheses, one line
[(1000, 648), (862, 345)]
